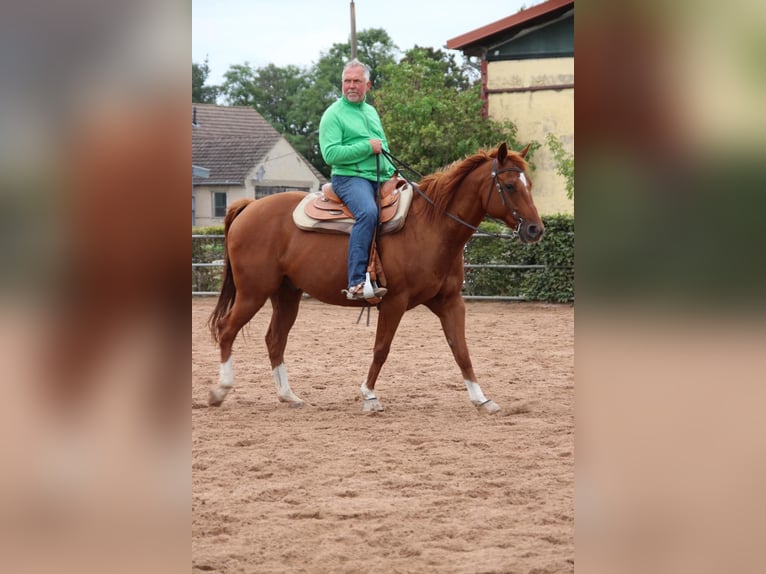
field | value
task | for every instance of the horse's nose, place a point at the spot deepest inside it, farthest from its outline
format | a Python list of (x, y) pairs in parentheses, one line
[(535, 232)]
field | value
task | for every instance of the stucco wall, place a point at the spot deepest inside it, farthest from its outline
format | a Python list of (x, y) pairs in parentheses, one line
[(282, 166), (204, 202), (536, 114)]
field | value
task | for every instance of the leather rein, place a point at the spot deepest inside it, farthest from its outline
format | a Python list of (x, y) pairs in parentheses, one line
[(494, 184)]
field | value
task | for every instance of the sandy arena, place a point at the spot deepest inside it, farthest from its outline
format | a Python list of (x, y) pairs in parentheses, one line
[(429, 485)]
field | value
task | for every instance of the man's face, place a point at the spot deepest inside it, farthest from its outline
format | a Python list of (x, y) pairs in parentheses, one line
[(354, 84)]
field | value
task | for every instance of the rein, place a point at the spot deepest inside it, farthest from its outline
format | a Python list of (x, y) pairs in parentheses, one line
[(495, 183)]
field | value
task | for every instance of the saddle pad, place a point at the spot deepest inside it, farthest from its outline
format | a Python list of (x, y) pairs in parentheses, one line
[(344, 225)]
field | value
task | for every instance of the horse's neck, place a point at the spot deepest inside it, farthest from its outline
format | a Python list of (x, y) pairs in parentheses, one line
[(465, 205)]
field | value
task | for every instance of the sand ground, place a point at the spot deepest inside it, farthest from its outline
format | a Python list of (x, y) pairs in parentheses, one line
[(429, 485)]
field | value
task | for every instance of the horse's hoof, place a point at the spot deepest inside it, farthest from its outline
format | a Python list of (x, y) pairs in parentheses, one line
[(293, 403), (489, 407), (372, 406), (216, 396)]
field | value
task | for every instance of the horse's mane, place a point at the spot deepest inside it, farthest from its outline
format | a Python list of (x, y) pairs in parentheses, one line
[(439, 186)]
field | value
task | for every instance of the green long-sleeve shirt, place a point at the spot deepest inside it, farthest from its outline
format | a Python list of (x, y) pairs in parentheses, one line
[(344, 139)]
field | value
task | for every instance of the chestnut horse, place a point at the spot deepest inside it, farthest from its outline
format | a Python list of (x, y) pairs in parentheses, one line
[(268, 257)]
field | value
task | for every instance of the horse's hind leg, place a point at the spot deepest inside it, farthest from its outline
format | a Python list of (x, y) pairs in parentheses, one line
[(241, 312), (285, 303)]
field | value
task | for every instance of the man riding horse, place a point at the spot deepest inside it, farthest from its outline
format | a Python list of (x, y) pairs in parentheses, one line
[(350, 137)]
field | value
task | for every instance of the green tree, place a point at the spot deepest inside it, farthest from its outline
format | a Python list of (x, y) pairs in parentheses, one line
[(431, 112), (374, 47), (202, 94), (306, 111), (456, 76), (564, 162), (293, 99), (289, 98), (270, 90), (239, 85)]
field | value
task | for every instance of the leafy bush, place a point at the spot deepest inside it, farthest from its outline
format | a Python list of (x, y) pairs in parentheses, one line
[(207, 250), (553, 283), (564, 162)]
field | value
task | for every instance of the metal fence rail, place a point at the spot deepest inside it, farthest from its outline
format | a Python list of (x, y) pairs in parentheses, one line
[(466, 266)]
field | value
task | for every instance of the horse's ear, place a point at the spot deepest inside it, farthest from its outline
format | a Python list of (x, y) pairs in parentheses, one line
[(502, 151), (523, 153)]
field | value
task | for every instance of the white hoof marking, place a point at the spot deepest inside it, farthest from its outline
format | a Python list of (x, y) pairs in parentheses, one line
[(217, 395), (490, 407), (284, 392), (371, 403), (372, 406), (226, 374), (479, 400), (474, 393), (225, 384)]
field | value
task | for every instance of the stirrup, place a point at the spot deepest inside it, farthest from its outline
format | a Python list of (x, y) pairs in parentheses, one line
[(356, 293)]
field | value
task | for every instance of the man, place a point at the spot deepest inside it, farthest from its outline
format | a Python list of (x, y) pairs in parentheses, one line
[(350, 136)]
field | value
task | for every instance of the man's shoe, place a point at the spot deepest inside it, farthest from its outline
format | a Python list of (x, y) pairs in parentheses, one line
[(356, 293)]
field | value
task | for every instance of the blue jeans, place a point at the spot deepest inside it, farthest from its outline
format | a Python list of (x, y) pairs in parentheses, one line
[(359, 195)]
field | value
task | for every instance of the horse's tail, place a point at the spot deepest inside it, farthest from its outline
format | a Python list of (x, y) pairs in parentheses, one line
[(228, 288)]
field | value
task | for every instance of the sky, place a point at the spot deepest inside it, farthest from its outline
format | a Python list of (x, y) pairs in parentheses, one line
[(297, 32)]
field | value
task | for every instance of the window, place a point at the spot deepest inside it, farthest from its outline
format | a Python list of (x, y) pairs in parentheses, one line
[(219, 204)]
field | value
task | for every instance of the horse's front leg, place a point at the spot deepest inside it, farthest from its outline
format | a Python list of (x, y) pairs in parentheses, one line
[(451, 313), (388, 321)]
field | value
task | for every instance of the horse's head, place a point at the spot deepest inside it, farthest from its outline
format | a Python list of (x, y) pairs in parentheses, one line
[(510, 197)]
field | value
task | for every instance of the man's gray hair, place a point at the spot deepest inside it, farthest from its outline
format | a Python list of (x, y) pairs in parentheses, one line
[(357, 64)]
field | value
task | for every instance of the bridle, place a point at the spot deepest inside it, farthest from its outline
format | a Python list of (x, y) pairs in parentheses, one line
[(494, 184), (501, 191)]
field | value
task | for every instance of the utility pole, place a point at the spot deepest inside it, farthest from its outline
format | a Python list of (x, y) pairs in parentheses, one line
[(353, 30)]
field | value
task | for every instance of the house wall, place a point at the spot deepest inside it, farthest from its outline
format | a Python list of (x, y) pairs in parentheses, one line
[(536, 114), (204, 202), (282, 166)]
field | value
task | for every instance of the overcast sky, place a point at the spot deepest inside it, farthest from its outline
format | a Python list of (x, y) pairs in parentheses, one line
[(296, 32)]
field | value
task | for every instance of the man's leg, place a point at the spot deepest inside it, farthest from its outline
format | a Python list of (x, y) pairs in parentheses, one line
[(359, 195)]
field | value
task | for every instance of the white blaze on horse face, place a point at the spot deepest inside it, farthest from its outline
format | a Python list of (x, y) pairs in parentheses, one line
[(474, 393), (226, 374), (523, 179)]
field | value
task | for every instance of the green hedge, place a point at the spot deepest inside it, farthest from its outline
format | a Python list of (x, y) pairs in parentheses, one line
[(207, 250), (553, 283)]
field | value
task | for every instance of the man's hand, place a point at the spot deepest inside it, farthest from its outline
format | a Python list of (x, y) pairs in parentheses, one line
[(377, 146)]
